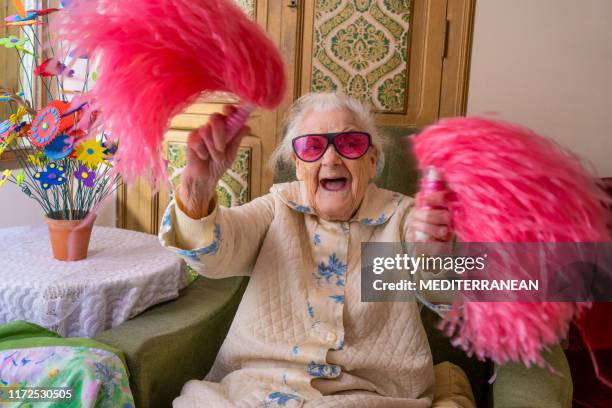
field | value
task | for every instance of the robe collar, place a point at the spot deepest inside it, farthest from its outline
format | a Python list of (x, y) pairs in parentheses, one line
[(377, 206)]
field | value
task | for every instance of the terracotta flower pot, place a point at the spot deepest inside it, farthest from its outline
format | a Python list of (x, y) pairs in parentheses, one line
[(69, 238)]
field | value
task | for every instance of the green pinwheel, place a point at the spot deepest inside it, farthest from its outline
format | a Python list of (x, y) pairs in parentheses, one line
[(14, 42)]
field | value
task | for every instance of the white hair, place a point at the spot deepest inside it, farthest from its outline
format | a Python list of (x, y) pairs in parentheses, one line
[(325, 102)]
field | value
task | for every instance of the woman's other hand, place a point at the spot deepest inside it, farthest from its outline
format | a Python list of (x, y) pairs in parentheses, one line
[(431, 220), (209, 155)]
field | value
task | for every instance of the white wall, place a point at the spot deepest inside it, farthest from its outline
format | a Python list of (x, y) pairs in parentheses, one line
[(547, 64)]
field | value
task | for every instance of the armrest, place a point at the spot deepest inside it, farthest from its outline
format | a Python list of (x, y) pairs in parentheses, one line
[(518, 386), (176, 341)]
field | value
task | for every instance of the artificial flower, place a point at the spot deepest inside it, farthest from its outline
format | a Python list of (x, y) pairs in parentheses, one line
[(6, 143), (109, 148), (22, 24), (15, 118), (59, 147), (7, 97), (50, 121), (31, 15), (68, 116), (54, 176), (87, 176), (52, 67), (90, 153), (5, 176), (44, 12), (22, 129), (14, 42), (37, 160), (20, 7), (45, 126), (5, 129), (19, 178)]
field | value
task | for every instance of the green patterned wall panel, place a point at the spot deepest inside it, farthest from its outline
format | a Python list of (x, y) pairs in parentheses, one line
[(233, 188), (361, 47)]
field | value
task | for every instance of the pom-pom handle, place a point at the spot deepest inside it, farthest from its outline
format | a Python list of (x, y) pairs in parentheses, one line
[(236, 120), (431, 182)]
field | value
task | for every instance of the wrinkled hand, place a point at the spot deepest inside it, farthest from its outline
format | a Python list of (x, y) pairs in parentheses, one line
[(209, 155), (431, 224)]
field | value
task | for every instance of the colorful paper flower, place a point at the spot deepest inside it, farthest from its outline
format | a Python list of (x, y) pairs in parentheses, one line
[(22, 129), (5, 129), (16, 117), (49, 122), (44, 12), (20, 7), (31, 15), (7, 97), (52, 67), (45, 126), (22, 24), (54, 176), (109, 148), (87, 176), (14, 42), (19, 178), (68, 118), (6, 143), (5, 176), (38, 159), (59, 147), (90, 153)]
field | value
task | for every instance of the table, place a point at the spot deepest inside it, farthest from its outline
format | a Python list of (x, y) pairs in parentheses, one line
[(125, 273)]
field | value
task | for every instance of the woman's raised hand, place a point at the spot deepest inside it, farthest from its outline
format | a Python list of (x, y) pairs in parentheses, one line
[(209, 155)]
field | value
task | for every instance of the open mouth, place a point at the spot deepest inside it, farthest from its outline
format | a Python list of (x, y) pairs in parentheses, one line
[(334, 184)]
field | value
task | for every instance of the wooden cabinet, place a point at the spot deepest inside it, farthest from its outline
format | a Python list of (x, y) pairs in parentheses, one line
[(407, 58)]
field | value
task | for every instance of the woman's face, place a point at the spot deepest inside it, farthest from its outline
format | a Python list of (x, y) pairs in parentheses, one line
[(335, 185)]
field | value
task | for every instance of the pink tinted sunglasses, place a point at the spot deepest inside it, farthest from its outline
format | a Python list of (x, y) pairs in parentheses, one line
[(350, 145)]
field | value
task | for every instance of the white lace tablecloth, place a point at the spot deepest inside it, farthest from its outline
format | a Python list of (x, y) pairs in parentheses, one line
[(124, 273)]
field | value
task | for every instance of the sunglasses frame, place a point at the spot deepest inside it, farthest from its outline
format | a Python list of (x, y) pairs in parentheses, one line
[(330, 142)]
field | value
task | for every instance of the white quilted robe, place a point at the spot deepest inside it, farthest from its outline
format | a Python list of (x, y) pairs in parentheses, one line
[(301, 336)]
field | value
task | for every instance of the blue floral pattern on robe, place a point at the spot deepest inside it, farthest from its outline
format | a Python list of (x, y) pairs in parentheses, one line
[(334, 270), (337, 298), (300, 208), (323, 370)]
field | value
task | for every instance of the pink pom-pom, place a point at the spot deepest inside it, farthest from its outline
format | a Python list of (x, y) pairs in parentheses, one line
[(155, 58), (511, 185)]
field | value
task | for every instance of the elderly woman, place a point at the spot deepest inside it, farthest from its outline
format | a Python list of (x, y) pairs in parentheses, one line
[(301, 336)]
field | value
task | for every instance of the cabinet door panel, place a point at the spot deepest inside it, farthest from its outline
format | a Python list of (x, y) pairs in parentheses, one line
[(386, 53)]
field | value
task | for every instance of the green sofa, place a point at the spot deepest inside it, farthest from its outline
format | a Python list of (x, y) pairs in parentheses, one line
[(174, 342)]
